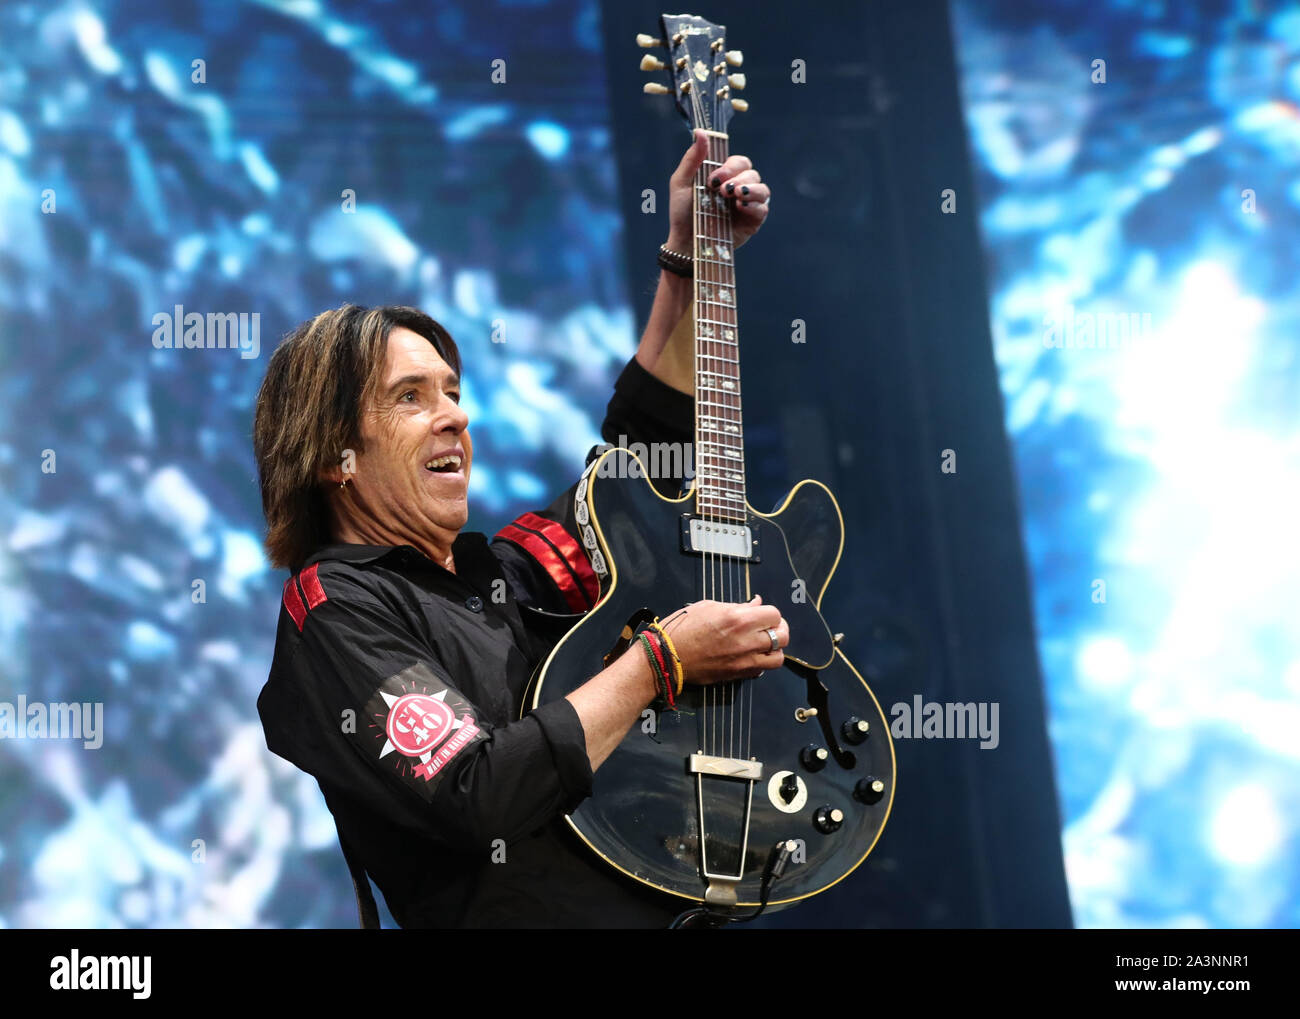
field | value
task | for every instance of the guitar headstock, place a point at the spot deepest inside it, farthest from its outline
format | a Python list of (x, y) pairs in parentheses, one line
[(700, 68)]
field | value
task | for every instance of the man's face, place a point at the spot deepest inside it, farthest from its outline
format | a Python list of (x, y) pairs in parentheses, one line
[(405, 490)]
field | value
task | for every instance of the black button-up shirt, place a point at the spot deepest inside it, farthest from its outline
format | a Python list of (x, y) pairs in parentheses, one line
[(398, 685)]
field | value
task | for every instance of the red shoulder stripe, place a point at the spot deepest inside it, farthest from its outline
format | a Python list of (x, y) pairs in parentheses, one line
[(311, 586), (293, 603), (574, 554), (550, 561)]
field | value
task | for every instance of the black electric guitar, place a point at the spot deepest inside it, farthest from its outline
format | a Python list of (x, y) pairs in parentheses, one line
[(694, 802)]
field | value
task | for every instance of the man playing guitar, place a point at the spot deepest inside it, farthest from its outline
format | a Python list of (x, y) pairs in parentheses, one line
[(404, 644)]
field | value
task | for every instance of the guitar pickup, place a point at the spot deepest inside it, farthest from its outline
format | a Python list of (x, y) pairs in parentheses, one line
[(718, 537)]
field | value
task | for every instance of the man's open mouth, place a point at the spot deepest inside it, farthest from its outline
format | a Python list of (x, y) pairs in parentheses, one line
[(444, 465)]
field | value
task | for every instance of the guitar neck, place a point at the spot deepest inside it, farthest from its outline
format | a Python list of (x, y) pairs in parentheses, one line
[(719, 432)]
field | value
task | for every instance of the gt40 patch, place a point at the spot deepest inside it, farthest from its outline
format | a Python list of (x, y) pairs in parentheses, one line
[(418, 724)]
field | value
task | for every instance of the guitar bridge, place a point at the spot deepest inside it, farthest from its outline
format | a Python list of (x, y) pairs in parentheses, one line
[(724, 767)]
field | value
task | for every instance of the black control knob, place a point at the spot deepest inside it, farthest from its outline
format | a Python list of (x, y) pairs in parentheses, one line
[(855, 730), (828, 819), (789, 788), (813, 757), (869, 790)]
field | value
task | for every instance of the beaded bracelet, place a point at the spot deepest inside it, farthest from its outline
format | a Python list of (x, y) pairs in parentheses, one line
[(679, 673), (671, 694), (654, 652), (676, 262)]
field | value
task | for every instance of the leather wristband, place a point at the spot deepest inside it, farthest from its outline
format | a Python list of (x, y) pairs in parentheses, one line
[(676, 262)]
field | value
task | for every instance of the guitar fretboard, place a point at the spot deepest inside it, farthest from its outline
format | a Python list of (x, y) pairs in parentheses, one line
[(719, 434)]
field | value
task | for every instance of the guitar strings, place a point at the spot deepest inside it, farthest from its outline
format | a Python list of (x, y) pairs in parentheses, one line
[(721, 573), (737, 691), (706, 720), (709, 713)]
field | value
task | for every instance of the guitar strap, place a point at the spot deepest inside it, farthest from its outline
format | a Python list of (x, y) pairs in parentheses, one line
[(367, 911)]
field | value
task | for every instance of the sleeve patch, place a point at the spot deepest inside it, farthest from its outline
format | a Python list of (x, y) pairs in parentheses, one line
[(417, 726)]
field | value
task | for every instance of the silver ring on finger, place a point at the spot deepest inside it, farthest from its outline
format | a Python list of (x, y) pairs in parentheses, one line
[(772, 636)]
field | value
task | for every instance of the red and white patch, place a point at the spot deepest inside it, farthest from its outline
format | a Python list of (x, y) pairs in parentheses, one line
[(465, 734), (417, 723)]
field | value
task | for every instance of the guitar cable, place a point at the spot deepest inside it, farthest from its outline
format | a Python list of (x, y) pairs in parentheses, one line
[(776, 864)]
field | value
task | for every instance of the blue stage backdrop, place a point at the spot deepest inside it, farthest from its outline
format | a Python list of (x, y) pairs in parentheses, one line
[(267, 160), (1140, 202)]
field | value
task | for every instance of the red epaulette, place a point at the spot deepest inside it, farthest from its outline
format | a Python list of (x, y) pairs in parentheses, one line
[(560, 555), (303, 593)]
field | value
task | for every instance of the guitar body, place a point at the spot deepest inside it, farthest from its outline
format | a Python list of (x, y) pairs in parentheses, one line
[(694, 802), (650, 812)]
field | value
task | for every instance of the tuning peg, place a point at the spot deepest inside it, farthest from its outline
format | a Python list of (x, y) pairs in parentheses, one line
[(655, 89), (735, 58), (649, 63), (737, 81), (648, 42), (739, 105)]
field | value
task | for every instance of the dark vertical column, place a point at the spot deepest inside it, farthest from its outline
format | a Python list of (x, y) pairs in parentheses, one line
[(895, 368)]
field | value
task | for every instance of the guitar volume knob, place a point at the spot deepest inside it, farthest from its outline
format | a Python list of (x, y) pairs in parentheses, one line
[(813, 757), (828, 819), (869, 790), (855, 730)]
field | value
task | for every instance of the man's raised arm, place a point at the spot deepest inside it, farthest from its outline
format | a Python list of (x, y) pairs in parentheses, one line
[(667, 346)]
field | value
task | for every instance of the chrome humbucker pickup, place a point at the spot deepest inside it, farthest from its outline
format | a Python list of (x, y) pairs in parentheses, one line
[(718, 537)]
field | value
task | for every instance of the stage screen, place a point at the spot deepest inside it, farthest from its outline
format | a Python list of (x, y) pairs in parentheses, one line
[(266, 160), (1140, 208)]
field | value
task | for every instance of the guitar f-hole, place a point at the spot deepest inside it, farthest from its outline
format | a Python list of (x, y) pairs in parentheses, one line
[(635, 621), (819, 698)]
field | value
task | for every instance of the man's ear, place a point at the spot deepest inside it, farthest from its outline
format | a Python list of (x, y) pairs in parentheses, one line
[(341, 470), (331, 475)]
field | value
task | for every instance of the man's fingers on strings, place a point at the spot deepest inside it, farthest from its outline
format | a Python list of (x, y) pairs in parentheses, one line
[(748, 186), (731, 170)]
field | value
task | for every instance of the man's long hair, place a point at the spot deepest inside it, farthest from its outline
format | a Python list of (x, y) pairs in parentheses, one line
[(308, 413)]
